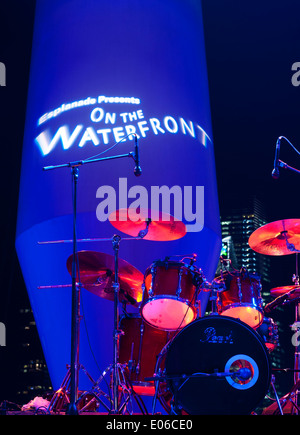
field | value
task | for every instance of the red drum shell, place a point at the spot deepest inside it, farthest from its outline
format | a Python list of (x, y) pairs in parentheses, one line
[(241, 298), (169, 295), (141, 338)]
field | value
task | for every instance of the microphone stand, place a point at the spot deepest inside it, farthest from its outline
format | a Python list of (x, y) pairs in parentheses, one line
[(280, 163), (75, 315), (286, 166)]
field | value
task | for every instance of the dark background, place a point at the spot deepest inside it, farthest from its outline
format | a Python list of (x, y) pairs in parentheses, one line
[(250, 49)]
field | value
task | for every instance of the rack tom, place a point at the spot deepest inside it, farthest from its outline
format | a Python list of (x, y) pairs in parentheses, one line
[(169, 295), (241, 298)]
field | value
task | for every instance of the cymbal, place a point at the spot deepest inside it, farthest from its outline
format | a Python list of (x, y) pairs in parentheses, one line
[(97, 276), (280, 291), (277, 238), (163, 227)]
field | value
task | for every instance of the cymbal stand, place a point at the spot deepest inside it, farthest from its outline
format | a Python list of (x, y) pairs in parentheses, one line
[(119, 382), (294, 395), (296, 327), (119, 379), (61, 397), (75, 304), (116, 286)]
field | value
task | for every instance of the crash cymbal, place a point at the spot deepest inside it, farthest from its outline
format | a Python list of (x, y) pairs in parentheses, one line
[(148, 224), (97, 276), (280, 291), (277, 238)]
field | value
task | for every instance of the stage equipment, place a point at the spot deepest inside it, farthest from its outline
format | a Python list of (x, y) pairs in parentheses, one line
[(170, 294), (215, 365), (281, 237), (241, 297), (74, 267), (287, 295), (97, 274), (140, 345), (268, 330), (279, 163), (164, 228)]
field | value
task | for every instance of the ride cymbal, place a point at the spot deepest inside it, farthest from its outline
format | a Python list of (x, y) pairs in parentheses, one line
[(277, 238)]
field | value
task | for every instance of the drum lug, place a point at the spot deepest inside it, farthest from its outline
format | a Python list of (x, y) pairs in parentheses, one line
[(179, 289), (143, 290), (153, 273), (240, 294)]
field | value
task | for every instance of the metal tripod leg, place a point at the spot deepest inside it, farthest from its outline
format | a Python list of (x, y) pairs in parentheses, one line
[(61, 396), (276, 395), (125, 391)]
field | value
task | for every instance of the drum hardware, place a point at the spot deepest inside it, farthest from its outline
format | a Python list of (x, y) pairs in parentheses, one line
[(102, 274), (75, 303), (283, 238), (120, 274), (119, 381), (125, 391), (286, 403), (138, 364), (286, 295), (214, 288), (61, 397), (276, 395), (289, 297)]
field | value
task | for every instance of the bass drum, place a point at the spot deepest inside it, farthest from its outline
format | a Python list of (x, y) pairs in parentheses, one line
[(208, 346)]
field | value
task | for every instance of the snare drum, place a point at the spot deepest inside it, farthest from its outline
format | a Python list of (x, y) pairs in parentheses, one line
[(139, 347), (268, 331), (169, 295), (241, 298)]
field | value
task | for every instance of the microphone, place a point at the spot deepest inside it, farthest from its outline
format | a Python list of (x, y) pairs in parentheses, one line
[(137, 170), (275, 172), (243, 374)]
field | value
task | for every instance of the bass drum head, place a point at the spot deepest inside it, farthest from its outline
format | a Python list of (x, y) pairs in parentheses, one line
[(217, 344)]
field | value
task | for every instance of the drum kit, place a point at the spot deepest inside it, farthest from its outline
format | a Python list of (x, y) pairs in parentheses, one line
[(216, 364), (192, 364)]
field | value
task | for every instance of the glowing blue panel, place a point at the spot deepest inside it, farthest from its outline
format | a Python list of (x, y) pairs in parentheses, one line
[(100, 71)]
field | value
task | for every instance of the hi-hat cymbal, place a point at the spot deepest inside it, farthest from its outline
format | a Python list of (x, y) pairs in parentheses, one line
[(280, 291), (97, 276), (277, 238), (147, 224)]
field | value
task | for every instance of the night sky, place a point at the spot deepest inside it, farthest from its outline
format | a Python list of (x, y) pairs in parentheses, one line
[(250, 50)]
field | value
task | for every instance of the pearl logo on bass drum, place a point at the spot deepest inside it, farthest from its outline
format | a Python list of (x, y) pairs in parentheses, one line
[(210, 336)]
